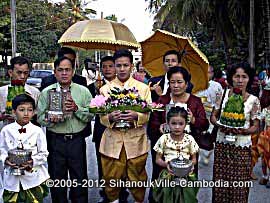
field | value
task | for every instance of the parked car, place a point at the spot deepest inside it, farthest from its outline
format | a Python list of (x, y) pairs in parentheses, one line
[(36, 76)]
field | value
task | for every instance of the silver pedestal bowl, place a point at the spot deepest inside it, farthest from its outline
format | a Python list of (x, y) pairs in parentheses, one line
[(180, 166), (18, 157)]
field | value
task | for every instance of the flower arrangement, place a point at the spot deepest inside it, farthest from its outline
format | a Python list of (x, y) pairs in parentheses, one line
[(126, 99), (233, 114)]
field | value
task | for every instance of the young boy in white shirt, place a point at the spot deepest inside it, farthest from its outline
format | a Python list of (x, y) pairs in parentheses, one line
[(29, 187)]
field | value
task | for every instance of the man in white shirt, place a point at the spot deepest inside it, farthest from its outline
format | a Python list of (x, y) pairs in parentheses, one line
[(214, 89), (90, 71), (19, 70), (159, 85)]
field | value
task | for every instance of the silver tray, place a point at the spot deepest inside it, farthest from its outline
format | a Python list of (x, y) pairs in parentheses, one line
[(228, 126)]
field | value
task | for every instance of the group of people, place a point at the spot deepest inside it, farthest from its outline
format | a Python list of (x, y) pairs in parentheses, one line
[(60, 152)]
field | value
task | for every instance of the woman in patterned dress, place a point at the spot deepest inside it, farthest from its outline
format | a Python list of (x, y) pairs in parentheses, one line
[(232, 161)]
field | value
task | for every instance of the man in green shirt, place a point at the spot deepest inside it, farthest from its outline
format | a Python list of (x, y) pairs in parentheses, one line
[(65, 138)]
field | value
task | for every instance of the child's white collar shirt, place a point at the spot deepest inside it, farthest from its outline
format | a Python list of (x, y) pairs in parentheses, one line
[(35, 140)]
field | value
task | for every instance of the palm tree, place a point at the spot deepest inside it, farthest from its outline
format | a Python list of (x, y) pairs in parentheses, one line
[(185, 16), (77, 10)]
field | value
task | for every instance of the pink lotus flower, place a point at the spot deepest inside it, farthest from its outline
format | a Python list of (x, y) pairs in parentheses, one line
[(98, 101), (144, 104), (155, 105)]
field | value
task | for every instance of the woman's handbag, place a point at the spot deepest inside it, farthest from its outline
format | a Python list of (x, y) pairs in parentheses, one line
[(206, 139)]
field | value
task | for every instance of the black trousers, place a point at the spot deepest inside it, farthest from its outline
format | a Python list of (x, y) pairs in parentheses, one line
[(97, 143), (67, 155)]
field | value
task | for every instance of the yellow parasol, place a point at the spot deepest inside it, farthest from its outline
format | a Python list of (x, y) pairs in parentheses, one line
[(99, 34), (192, 58)]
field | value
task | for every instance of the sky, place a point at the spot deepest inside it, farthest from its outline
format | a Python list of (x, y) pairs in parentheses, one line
[(131, 13)]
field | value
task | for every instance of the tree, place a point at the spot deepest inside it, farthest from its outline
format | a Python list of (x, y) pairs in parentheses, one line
[(34, 40), (226, 23), (4, 25), (77, 10), (251, 34), (266, 15), (5, 36)]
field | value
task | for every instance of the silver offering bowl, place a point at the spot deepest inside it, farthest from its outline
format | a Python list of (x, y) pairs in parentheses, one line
[(18, 157), (180, 166), (123, 125)]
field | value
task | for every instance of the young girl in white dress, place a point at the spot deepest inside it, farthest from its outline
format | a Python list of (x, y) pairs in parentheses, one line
[(171, 146)]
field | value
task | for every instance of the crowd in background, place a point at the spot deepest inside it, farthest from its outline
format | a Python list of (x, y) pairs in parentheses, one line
[(59, 150)]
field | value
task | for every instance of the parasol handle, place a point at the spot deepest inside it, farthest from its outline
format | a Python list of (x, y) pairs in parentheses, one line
[(99, 82)]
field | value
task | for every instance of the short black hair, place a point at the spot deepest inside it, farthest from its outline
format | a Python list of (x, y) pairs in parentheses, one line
[(177, 111), (21, 99), (59, 60), (19, 60), (86, 61), (65, 50), (138, 65), (170, 52), (179, 69), (106, 58), (123, 53), (247, 69), (218, 73)]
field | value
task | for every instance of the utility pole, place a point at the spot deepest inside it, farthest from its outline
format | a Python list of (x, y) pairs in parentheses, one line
[(13, 27)]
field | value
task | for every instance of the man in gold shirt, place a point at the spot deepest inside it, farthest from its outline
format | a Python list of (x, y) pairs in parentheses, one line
[(124, 153)]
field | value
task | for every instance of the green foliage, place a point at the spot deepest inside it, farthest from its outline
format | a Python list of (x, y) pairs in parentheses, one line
[(4, 25), (77, 10), (34, 40), (225, 24), (111, 17)]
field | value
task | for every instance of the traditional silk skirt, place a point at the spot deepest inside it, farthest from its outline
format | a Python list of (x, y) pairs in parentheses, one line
[(264, 146), (32, 195), (232, 165), (254, 149), (175, 194)]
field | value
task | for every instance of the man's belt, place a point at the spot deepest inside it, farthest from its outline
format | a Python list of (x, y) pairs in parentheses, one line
[(66, 136)]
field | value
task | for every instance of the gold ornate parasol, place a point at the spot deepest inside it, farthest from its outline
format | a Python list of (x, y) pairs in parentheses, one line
[(192, 58), (99, 34)]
